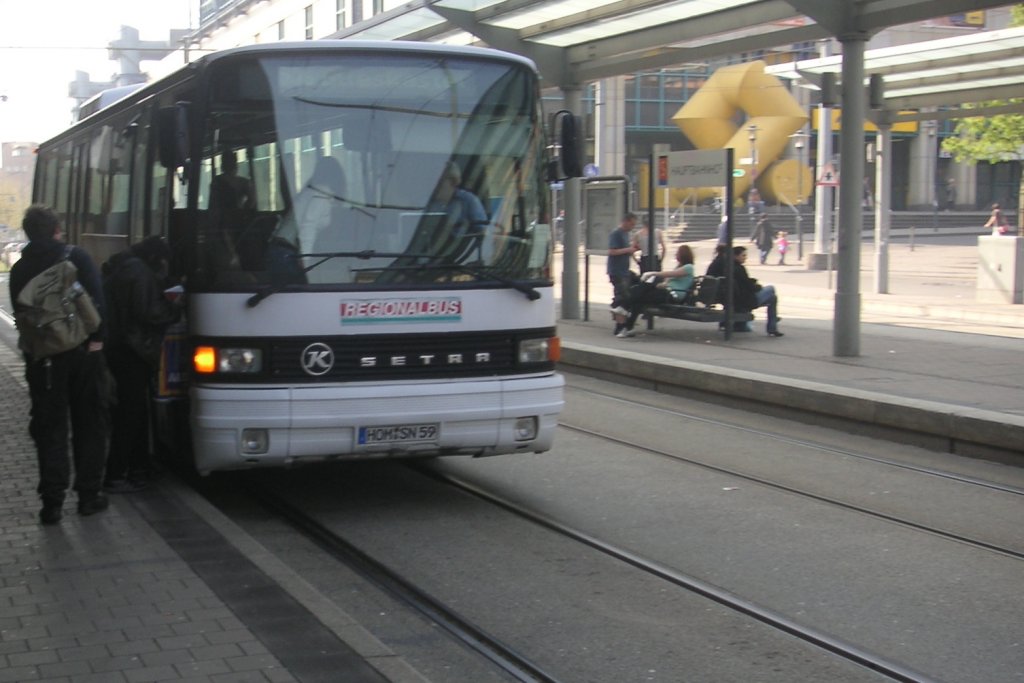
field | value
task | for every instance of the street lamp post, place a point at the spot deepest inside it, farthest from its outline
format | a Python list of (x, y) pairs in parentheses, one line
[(751, 210), (752, 136), (799, 145)]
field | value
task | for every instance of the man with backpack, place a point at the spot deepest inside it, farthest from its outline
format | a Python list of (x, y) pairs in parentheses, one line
[(62, 384)]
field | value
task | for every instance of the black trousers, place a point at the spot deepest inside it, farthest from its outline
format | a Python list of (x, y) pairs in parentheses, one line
[(129, 456), (69, 388), (644, 294), (621, 283)]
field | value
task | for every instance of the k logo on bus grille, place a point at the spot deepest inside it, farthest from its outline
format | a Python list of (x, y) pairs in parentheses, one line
[(317, 359)]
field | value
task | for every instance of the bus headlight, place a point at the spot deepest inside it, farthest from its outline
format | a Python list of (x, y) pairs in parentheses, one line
[(255, 441), (526, 428), (542, 350), (240, 360), (208, 359)]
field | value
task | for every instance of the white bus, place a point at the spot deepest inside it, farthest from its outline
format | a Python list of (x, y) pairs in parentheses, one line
[(363, 237)]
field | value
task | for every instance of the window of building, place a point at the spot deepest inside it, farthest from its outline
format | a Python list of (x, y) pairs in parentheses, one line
[(339, 15), (378, 7), (309, 22), (280, 30)]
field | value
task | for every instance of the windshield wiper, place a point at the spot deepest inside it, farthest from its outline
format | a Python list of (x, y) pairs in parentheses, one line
[(364, 255), (530, 293)]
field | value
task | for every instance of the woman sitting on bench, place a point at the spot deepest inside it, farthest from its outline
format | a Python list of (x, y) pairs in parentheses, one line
[(660, 287)]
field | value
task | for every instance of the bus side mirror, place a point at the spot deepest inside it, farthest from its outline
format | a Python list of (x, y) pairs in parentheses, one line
[(569, 163), (172, 124)]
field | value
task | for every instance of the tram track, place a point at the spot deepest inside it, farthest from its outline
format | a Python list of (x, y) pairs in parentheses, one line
[(810, 495), (738, 473), (807, 443), (518, 665), (774, 619), (462, 629), (513, 502)]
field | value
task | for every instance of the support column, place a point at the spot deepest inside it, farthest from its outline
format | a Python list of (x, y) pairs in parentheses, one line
[(923, 158), (610, 127), (883, 201), (821, 257), (846, 328), (572, 98)]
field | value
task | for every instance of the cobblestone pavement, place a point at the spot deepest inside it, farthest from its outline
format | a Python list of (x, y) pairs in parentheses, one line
[(102, 598)]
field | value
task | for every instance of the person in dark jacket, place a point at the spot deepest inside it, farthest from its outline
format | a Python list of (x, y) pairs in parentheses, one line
[(763, 237), (139, 315), (69, 384), (748, 293)]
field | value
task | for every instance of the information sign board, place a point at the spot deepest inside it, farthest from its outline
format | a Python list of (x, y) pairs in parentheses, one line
[(697, 168)]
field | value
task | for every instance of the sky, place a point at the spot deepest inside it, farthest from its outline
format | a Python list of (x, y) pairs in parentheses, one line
[(44, 42)]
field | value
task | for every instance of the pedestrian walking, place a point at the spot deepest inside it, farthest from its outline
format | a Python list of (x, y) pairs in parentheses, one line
[(997, 221), (782, 246), (67, 387), (763, 237)]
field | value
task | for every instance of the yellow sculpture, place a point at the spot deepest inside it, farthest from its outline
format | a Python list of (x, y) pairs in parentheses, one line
[(708, 120)]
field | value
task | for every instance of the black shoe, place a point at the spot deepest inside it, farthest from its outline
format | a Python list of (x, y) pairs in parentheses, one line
[(776, 333), (97, 502), (51, 513)]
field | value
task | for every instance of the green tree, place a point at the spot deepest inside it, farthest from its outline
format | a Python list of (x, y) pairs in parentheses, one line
[(988, 138), (992, 139)]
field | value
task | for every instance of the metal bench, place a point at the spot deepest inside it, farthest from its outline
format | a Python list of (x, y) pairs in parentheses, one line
[(701, 305)]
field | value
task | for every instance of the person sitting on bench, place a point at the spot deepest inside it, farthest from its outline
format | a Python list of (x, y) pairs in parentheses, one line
[(748, 292), (659, 287)]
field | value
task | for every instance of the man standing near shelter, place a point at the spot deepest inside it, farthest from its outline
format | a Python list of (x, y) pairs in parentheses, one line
[(67, 383), (621, 247)]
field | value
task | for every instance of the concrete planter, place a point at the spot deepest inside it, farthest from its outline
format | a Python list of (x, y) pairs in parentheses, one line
[(1000, 269)]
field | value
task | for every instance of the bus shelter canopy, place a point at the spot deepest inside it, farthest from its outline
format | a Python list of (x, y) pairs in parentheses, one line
[(972, 68), (575, 42)]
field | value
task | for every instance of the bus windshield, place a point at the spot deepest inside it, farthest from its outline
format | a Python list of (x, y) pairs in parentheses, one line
[(362, 170)]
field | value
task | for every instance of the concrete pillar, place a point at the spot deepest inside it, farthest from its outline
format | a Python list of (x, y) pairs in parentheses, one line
[(572, 101), (883, 202), (923, 154), (820, 257), (846, 327), (610, 127)]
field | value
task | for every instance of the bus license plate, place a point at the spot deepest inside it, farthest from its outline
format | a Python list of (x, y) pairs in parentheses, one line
[(398, 434)]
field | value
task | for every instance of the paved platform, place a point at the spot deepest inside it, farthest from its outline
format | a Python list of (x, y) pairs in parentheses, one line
[(160, 587), (163, 588), (931, 358)]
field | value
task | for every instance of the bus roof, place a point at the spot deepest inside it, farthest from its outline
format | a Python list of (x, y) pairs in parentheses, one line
[(106, 98), (124, 95), (363, 45)]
